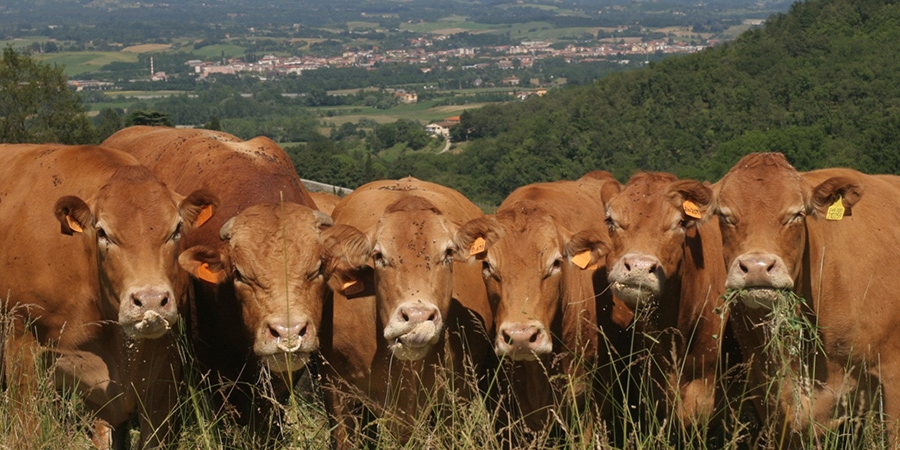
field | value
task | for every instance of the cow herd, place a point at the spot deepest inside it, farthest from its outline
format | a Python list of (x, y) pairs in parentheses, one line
[(111, 256)]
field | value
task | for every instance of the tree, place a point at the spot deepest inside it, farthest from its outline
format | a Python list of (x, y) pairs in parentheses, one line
[(213, 124), (36, 106), (108, 122), (153, 118)]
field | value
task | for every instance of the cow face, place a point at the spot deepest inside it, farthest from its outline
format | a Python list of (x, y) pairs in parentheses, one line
[(525, 264), (763, 204), (277, 258), (414, 250), (647, 224), (134, 228)]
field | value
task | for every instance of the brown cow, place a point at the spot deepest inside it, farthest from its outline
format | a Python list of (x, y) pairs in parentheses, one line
[(99, 298), (408, 312), (665, 264), (247, 309), (777, 237), (542, 248), (325, 201)]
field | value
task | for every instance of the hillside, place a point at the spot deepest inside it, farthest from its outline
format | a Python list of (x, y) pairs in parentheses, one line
[(817, 83)]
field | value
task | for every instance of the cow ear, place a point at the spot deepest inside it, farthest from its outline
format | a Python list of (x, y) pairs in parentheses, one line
[(824, 195), (587, 248), (348, 251), (198, 207), (609, 190), (323, 220), (476, 236), (693, 198), (73, 214), (205, 263)]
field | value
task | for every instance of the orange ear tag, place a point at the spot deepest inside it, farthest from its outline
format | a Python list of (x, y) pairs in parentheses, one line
[(691, 209), (582, 259), (836, 210), (477, 246), (353, 287), (204, 215), (75, 226), (206, 275)]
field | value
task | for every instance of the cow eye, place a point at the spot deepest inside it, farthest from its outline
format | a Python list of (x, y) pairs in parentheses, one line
[(448, 255), (486, 270), (103, 237), (556, 266), (176, 235), (727, 220), (317, 272), (379, 259), (611, 224), (799, 217)]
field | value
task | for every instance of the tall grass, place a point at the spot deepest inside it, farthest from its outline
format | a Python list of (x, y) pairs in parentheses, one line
[(642, 418)]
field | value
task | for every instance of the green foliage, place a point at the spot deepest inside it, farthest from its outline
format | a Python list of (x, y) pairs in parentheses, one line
[(152, 118), (817, 83), (108, 122), (36, 105)]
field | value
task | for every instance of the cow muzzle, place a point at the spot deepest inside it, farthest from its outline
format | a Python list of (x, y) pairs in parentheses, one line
[(148, 312), (760, 277), (413, 329), (284, 343), (522, 341), (637, 278)]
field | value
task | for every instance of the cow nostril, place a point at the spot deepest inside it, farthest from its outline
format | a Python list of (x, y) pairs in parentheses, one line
[(165, 301), (405, 316), (534, 338), (743, 268), (274, 332), (652, 268), (507, 339), (137, 302), (431, 317), (770, 266), (302, 332), (627, 266)]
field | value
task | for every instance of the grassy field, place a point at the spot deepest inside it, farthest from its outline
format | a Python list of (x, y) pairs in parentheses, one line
[(77, 63), (484, 420)]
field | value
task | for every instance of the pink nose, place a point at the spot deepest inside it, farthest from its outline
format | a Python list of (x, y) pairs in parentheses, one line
[(152, 299), (757, 270), (289, 331), (640, 264), (523, 339), (415, 314)]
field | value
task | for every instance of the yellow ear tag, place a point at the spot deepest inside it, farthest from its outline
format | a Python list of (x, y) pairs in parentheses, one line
[(353, 287), (582, 259), (206, 275), (477, 246), (691, 209), (73, 224), (204, 215), (836, 210)]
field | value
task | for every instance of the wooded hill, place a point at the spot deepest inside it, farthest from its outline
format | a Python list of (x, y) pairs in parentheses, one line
[(819, 83)]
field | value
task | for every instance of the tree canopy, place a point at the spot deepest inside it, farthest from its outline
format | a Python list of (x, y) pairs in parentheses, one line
[(36, 105)]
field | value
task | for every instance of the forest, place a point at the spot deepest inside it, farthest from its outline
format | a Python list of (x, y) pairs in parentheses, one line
[(817, 83)]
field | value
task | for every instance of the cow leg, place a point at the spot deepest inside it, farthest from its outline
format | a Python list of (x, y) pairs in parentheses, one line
[(107, 437), (158, 393), (344, 426), (21, 359)]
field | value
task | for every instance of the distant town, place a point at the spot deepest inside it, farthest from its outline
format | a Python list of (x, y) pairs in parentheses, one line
[(503, 57)]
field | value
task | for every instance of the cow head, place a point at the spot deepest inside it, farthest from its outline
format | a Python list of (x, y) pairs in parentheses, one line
[(526, 257), (134, 227), (647, 223), (413, 251), (763, 204), (278, 259)]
